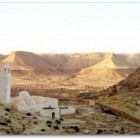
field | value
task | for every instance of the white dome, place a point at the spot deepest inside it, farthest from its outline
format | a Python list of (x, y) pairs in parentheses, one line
[(24, 94)]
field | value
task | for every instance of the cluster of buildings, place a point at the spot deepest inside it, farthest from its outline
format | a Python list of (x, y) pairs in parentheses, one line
[(36, 105)]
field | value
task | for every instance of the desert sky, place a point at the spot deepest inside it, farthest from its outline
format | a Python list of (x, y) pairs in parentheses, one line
[(70, 27)]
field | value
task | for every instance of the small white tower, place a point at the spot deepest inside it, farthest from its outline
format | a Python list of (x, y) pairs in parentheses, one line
[(5, 85)]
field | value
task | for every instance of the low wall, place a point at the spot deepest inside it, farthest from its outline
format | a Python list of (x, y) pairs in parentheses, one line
[(63, 111), (118, 112), (48, 112), (68, 110)]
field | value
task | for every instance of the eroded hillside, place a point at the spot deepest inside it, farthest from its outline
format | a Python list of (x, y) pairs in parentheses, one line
[(75, 70)]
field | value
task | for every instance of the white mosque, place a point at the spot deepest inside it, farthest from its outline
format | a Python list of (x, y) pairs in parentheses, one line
[(36, 105)]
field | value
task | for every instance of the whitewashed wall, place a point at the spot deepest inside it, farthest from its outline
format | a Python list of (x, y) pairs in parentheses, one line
[(69, 110), (48, 112), (5, 87), (36, 104), (32, 104), (45, 101)]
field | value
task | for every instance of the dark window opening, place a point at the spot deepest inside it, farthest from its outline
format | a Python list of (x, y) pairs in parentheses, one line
[(53, 115)]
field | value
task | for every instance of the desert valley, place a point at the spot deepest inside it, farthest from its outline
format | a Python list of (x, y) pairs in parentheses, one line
[(70, 71), (102, 87)]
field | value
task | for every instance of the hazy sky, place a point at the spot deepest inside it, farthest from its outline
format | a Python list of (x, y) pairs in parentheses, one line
[(70, 27)]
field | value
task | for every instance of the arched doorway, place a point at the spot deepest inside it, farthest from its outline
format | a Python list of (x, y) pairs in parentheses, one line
[(53, 115)]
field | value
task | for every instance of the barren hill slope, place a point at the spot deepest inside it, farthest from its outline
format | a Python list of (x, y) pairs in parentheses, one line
[(86, 67), (112, 67), (113, 62), (26, 62), (80, 61), (2, 56), (132, 82), (133, 59), (71, 63)]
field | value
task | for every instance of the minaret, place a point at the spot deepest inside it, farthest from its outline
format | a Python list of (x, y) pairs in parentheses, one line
[(5, 85)]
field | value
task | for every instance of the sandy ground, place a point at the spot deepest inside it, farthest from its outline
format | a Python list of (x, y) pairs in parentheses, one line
[(87, 119), (61, 82)]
